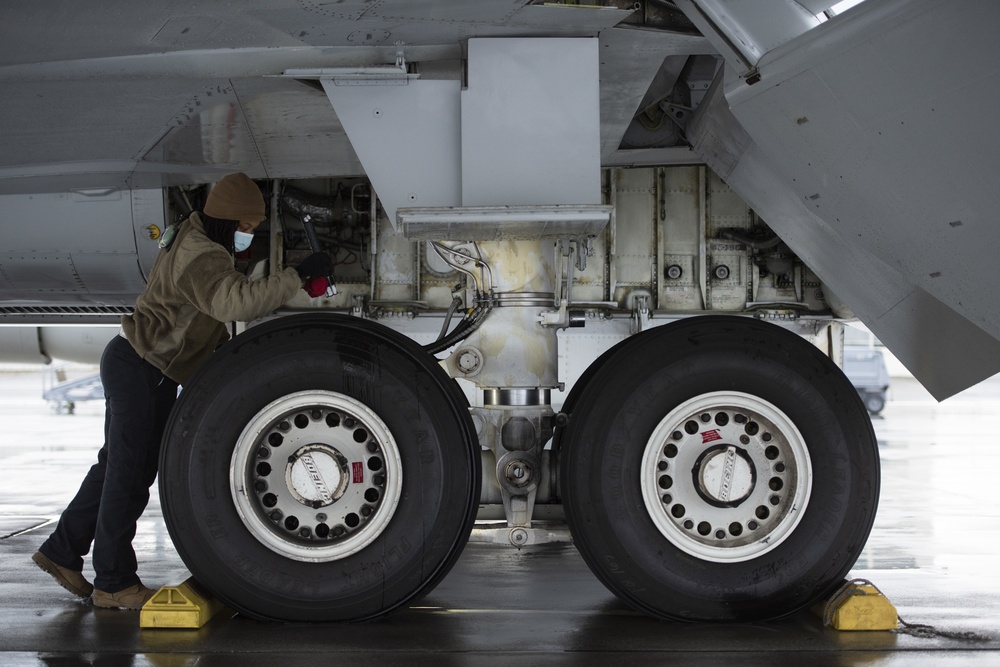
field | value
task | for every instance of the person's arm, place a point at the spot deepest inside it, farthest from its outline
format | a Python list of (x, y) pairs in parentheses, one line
[(217, 289)]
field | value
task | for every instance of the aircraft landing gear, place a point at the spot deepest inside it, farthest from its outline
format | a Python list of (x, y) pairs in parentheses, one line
[(320, 468), (718, 468)]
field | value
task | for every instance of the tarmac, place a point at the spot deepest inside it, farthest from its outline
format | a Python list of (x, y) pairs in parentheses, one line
[(934, 552)]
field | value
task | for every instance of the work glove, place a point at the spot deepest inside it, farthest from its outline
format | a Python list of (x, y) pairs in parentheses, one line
[(315, 287), (315, 265)]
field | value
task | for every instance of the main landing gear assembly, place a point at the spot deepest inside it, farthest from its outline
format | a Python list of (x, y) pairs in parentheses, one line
[(325, 468), (716, 468)]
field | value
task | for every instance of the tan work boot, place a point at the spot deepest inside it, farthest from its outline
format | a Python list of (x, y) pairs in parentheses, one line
[(71, 580), (132, 597)]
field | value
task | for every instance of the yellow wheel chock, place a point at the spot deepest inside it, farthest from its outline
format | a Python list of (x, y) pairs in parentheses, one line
[(183, 606)]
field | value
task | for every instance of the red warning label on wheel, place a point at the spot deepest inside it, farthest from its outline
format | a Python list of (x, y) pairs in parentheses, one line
[(359, 472), (710, 436)]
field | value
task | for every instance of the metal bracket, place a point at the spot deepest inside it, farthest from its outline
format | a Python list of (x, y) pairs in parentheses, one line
[(679, 115), (556, 318), (359, 309), (640, 313), (378, 75), (502, 223), (520, 536), (582, 253)]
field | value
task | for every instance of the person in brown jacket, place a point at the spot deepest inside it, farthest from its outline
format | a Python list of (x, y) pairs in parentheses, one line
[(178, 321)]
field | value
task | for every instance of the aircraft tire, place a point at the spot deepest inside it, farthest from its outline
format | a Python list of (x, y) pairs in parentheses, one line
[(579, 388), (719, 469), (320, 468)]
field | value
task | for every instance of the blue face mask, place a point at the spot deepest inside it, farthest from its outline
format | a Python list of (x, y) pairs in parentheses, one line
[(241, 241)]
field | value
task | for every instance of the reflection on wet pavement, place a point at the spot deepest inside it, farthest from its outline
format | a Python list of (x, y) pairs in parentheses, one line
[(934, 552)]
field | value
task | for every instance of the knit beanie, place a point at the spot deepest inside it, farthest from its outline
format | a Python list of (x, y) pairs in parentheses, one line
[(236, 197)]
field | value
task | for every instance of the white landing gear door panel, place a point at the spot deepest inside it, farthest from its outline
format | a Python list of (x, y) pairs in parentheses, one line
[(526, 131), (406, 136), (531, 123)]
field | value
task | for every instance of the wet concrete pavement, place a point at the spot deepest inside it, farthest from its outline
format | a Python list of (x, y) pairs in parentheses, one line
[(934, 552)]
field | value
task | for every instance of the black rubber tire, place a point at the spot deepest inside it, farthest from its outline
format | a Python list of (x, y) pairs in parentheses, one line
[(427, 415), (614, 418), (579, 388)]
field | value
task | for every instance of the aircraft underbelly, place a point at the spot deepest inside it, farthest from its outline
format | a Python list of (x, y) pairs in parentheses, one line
[(868, 144)]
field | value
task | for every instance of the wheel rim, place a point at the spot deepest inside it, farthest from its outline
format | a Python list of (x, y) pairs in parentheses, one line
[(726, 477), (316, 476)]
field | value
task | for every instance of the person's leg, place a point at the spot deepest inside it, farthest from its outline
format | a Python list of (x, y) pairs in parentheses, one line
[(73, 535), (61, 555), (139, 403)]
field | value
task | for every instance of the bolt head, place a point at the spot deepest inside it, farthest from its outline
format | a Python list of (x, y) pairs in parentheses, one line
[(518, 473), (469, 361)]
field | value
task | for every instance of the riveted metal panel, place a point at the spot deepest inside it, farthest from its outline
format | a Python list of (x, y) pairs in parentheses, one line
[(86, 248), (635, 219), (682, 238)]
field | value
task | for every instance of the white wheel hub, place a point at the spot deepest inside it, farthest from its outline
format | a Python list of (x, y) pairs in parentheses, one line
[(316, 476), (726, 477)]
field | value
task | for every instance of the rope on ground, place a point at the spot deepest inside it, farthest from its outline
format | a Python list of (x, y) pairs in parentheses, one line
[(930, 632)]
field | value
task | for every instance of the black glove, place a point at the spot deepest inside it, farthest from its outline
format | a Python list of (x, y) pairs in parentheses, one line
[(315, 265)]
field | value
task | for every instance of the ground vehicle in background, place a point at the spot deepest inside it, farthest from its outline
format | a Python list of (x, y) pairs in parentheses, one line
[(865, 367), (64, 392)]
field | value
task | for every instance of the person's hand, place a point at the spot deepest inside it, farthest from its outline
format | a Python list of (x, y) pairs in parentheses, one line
[(315, 265), (315, 287)]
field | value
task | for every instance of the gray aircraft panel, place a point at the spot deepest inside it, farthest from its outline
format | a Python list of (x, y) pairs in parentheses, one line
[(135, 95), (881, 193)]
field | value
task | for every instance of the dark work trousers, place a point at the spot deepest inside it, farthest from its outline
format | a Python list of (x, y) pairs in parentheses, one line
[(138, 399)]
